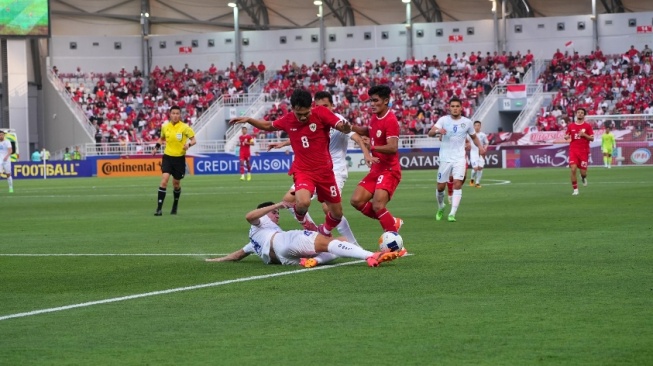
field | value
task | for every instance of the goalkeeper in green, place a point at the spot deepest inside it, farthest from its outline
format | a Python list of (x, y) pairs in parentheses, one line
[(608, 145)]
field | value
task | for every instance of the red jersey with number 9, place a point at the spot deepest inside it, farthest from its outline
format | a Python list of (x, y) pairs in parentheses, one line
[(310, 139), (380, 130)]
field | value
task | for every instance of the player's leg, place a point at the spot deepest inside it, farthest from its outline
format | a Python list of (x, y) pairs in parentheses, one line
[(242, 168), (474, 172), (574, 182), (289, 197), (166, 169), (444, 173), (6, 166), (177, 176), (479, 175), (349, 250), (605, 158), (573, 169), (363, 194), (248, 161), (458, 173), (385, 187), (583, 171)]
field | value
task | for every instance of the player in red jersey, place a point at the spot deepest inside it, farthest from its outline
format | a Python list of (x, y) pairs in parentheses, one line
[(375, 190), (312, 170), (581, 134), (246, 141)]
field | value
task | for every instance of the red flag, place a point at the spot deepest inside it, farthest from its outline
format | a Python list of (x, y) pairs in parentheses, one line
[(569, 44), (516, 91)]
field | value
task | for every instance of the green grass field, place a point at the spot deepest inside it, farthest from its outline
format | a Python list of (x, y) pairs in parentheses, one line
[(528, 275)]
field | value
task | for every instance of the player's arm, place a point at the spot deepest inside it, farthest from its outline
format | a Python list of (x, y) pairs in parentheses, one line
[(477, 142), (391, 147), (437, 129), (253, 217), (361, 130), (233, 257), (369, 159), (191, 142), (278, 145), (258, 123), (343, 126), (158, 144)]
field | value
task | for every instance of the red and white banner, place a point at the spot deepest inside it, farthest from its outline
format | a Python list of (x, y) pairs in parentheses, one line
[(516, 91), (645, 29), (457, 38), (569, 44), (185, 50)]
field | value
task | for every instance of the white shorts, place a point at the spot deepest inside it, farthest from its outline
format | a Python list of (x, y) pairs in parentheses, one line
[(478, 162), (455, 169), (6, 166), (291, 246)]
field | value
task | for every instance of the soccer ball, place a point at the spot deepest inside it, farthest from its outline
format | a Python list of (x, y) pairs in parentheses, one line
[(392, 241)]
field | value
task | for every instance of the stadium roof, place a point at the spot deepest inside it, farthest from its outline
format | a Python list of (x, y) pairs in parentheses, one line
[(181, 16)]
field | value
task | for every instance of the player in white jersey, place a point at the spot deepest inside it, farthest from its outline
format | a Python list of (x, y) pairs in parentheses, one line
[(454, 129), (338, 151), (5, 160), (476, 158), (296, 247)]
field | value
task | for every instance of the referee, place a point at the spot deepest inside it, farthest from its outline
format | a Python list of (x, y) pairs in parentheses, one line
[(178, 137)]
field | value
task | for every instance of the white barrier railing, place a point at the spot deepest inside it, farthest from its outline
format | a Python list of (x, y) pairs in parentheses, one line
[(218, 146)]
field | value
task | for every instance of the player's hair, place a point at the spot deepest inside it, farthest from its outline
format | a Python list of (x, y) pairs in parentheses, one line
[(175, 107), (455, 99), (382, 91), (479, 122), (301, 98), (265, 204), (324, 95), (582, 109)]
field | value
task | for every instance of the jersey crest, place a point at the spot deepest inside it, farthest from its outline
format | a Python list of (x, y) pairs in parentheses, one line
[(378, 133), (312, 127), (179, 136)]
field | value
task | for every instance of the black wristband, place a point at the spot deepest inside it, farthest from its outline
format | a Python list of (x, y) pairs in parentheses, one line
[(157, 146)]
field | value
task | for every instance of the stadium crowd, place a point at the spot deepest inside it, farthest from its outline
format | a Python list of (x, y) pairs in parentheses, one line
[(120, 112), (602, 84)]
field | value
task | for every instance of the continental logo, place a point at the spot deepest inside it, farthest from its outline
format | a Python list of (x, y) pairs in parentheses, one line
[(50, 170), (132, 168)]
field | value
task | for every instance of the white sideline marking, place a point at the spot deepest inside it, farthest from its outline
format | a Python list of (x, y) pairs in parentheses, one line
[(107, 255), (170, 291)]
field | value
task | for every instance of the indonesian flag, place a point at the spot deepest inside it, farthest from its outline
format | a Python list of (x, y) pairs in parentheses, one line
[(516, 91), (569, 44)]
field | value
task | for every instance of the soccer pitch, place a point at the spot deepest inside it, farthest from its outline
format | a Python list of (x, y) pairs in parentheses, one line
[(528, 275)]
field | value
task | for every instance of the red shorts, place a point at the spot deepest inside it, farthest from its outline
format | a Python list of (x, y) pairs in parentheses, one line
[(245, 156), (388, 180), (579, 158), (323, 184)]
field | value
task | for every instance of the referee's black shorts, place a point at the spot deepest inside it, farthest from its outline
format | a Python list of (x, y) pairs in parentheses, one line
[(174, 165)]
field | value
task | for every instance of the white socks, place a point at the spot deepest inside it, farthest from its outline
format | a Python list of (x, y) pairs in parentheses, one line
[(348, 250), (479, 174), (344, 230), (457, 196), (440, 197), (10, 181)]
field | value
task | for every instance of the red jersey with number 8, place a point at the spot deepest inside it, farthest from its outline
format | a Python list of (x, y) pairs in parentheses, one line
[(310, 139)]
